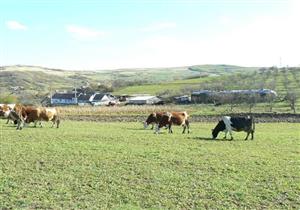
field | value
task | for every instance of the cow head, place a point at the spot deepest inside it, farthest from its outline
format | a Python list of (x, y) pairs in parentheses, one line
[(164, 121), (5, 110), (220, 127), (151, 119)]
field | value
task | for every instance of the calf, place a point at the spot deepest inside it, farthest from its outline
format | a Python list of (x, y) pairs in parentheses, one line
[(229, 124), (176, 118), (153, 119), (43, 114)]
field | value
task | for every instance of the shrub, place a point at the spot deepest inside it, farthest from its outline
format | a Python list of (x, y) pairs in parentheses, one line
[(11, 99)]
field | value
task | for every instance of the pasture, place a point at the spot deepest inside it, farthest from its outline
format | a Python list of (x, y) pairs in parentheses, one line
[(119, 165)]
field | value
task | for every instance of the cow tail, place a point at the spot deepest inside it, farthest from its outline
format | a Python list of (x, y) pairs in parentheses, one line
[(186, 115), (253, 123), (57, 122)]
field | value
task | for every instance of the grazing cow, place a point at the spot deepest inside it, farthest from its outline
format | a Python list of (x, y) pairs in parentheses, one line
[(40, 114), (43, 114), (153, 119), (176, 118), (229, 124), (17, 118)]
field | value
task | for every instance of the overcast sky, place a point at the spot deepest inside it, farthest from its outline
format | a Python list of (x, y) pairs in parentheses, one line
[(112, 34)]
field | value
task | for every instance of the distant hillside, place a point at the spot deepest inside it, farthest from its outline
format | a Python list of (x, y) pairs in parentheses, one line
[(280, 80), (31, 83)]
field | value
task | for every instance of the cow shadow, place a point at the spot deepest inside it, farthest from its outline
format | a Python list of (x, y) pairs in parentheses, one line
[(137, 129), (9, 126), (209, 139)]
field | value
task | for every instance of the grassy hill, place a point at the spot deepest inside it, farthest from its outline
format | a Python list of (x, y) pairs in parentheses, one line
[(280, 80), (284, 82), (35, 82)]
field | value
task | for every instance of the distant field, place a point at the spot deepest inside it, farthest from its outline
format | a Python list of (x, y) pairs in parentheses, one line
[(122, 166), (192, 109)]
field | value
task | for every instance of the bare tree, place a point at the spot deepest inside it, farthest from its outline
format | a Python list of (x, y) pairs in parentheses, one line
[(291, 98), (252, 99)]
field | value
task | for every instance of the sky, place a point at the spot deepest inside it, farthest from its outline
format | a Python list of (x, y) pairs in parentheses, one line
[(110, 34)]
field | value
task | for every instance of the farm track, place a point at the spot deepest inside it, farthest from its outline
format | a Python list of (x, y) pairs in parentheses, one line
[(259, 117)]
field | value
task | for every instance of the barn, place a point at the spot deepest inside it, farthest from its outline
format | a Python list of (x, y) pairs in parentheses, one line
[(95, 99), (185, 99), (63, 99), (85, 99), (99, 99), (232, 96), (144, 100)]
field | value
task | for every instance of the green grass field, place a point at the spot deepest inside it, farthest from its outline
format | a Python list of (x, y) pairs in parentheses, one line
[(122, 166)]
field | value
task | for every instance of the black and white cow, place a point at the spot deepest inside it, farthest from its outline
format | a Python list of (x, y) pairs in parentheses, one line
[(229, 124)]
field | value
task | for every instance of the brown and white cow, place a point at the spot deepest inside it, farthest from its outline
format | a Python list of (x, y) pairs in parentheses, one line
[(5, 110), (174, 118), (153, 119), (40, 114)]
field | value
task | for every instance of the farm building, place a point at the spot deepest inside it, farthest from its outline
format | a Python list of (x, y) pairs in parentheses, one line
[(85, 99), (233, 96), (99, 99), (64, 99), (124, 97), (95, 99), (143, 100), (182, 99)]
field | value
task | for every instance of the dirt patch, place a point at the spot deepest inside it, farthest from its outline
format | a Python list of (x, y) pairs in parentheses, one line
[(259, 117)]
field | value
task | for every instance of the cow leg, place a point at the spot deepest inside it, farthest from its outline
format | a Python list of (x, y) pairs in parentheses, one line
[(41, 125), (247, 135), (152, 126), (57, 123), (252, 135), (231, 137), (225, 137), (21, 124), (184, 127), (170, 128), (18, 125), (157, 129), (187, 123), (53, 123), (7, 121)]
